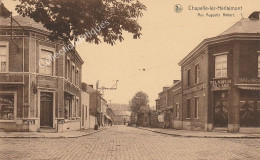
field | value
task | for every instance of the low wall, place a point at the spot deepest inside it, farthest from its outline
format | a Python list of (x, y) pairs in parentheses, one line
[(69, 126)]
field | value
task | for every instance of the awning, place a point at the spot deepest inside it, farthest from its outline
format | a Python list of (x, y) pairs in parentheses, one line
[(246, 87)]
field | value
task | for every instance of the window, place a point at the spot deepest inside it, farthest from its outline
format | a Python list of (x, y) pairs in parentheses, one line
[(73, 107), (196, 107), (7, 106), (197, 73), (77, 108), (221, 66), (3, 58), (188, 77), (258, 64), (68, 69), (73, 74), (188, 108), (77, 77), (177, 110), (46, 62), (68, 107)]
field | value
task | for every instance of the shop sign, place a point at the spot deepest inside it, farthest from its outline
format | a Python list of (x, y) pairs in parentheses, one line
[(249, 80), (220, 84), (46, 82), (194, 89)]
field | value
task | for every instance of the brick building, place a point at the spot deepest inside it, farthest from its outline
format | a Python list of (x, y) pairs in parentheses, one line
[(220, 84), (37, 91)]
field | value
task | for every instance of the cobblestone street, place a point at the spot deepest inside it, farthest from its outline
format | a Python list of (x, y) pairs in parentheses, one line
[(121, 142)]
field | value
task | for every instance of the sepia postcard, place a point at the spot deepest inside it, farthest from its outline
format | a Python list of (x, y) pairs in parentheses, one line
[(129, 79)]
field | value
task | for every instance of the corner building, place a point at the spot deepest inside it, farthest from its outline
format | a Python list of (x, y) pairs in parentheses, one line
[(33, 97), (221, 79)]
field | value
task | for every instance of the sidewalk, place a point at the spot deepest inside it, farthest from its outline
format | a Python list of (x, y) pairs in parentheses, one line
[(69, 134), (201, 134)]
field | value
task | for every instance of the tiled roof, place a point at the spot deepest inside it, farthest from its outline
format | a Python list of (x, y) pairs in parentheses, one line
[(23, 21), (245, 25)]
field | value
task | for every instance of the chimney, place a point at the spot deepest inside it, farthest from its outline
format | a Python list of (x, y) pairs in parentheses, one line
[(255, 15), (175, 81)]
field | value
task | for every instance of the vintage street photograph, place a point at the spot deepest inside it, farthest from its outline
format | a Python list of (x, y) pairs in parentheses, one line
[(129, 80)]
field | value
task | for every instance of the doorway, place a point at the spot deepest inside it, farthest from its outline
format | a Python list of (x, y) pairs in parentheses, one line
[(46, 109)]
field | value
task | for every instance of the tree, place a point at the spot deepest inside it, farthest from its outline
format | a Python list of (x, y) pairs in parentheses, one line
[(140, 99), (70, 19)]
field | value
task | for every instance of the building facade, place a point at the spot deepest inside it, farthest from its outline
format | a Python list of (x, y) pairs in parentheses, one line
[(38, 87), (220, 81)]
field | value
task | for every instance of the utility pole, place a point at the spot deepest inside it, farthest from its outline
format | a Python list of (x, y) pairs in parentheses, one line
[(114, 87)]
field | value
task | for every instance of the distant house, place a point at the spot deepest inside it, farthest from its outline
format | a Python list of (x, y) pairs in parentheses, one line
[(121, 116)]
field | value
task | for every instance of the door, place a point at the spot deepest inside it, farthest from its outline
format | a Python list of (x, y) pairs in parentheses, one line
[(221, 114), (46, 110)]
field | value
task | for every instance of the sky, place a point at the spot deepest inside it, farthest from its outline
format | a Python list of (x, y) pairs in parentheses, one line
[(167, 38)]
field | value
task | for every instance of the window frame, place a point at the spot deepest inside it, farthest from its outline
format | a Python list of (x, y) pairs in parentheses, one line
[(73, 72), (5, 43), (215, 58), (77, 76), (189, 77), (197, 73), (15, 105), (68, 64), (177, 105), (48, 49)]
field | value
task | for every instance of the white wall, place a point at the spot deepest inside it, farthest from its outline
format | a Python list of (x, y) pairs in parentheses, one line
[(85, 103)]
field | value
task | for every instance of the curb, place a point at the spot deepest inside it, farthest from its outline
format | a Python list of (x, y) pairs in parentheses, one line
[(59, 137), (190, 136)]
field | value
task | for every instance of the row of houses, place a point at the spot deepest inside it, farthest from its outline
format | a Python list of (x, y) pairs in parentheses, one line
[(40, 81), (220, 82)]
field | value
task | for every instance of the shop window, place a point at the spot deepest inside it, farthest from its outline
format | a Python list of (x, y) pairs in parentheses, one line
[(3, 58), (177, 110), (197, 73), (46, 62), (188, 108), (221, 66), (7, 106), (68, 107), (258, 106), (258, 64), (196, 107), (188, 78)]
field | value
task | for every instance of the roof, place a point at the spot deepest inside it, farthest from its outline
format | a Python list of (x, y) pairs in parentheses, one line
[(90, 89), (28, 22), (23, 21), (245, 25)]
